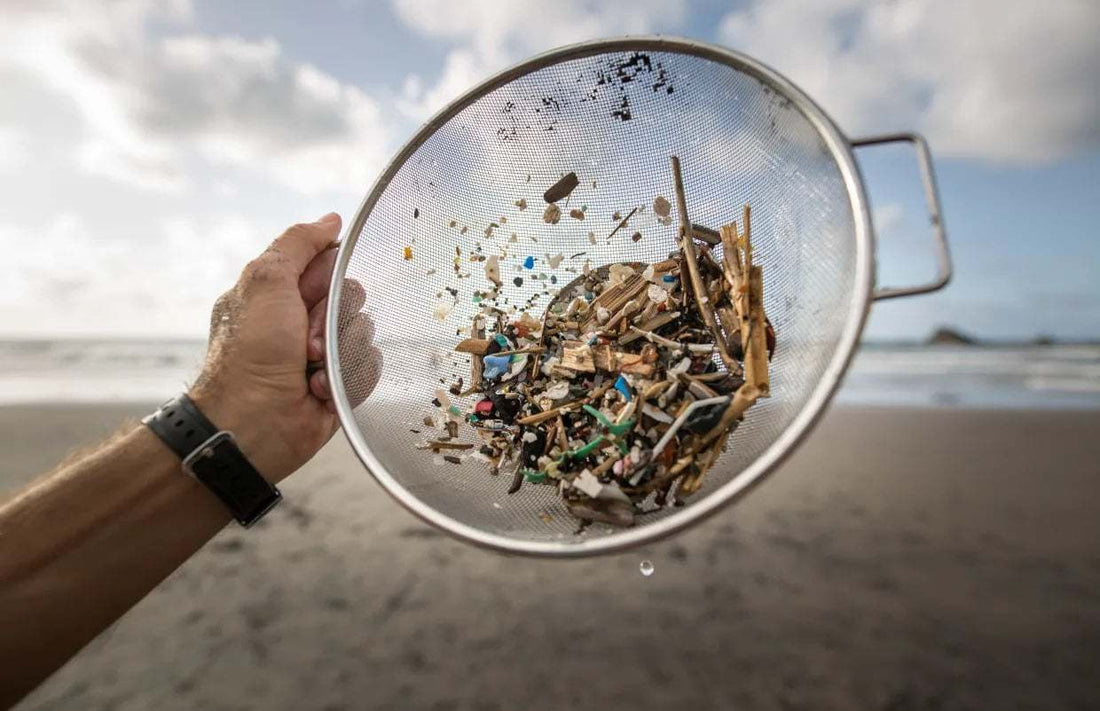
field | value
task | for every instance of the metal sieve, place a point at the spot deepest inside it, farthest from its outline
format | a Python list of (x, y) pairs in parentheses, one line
[(611, 111)]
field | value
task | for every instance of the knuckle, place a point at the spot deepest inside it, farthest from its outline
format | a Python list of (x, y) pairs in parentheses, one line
[(262, 270), (299, 230)]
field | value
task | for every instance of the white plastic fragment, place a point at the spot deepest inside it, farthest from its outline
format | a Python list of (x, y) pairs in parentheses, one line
[(656, 294), (588, 484), (492, 270), (558, 390), (619, 273), (681, 367), (442, 310), (657, 414), (555, 260)]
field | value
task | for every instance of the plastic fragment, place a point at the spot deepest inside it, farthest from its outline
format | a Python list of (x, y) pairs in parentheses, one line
[(495, 366), (492, 269), (529, 263), (408, 253), (624, 387)]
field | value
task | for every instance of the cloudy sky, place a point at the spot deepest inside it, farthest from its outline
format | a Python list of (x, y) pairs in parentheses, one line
[(149, 147)]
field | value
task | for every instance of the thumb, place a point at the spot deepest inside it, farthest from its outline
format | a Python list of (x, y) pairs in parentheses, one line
[(302, 242)]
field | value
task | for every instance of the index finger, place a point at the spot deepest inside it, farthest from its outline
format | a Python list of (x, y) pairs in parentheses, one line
[(302, 242), (314, 282)]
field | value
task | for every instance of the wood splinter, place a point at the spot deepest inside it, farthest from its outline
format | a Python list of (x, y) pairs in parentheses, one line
[(687, 245)]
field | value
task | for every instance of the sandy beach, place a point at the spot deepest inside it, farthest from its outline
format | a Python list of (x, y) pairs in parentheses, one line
[(902, 559)]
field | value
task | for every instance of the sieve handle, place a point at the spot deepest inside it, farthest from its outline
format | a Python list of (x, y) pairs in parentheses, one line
[(935, 213)]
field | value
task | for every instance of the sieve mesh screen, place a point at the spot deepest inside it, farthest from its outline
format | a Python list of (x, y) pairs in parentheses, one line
[(614, 117)]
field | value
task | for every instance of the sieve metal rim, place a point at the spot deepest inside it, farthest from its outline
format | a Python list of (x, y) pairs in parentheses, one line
[(863, 279)]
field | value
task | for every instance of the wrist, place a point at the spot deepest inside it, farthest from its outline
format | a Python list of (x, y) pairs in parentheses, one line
[(233, 414)]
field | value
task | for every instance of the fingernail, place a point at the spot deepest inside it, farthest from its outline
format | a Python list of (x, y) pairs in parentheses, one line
[(331, 217), (318, 344)]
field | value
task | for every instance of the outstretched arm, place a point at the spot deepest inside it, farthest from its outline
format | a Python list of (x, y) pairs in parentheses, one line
[(82, 545)]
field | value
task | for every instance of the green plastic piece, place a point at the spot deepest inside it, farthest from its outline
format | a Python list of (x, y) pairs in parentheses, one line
[(588, 448), (535, 477), (615, 429), (454, 411)]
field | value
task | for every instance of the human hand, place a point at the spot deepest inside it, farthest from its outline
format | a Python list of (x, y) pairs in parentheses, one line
[(263, 333)]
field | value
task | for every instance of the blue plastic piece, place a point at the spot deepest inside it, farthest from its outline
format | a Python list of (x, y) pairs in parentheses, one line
[(502, 341), (495, 366), (668, 279), (622, 386), (529, 263)]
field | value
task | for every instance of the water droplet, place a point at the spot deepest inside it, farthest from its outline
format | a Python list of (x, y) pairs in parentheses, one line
[(646, 568)]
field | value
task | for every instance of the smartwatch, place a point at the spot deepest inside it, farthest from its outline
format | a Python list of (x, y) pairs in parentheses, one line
[(212, 456)]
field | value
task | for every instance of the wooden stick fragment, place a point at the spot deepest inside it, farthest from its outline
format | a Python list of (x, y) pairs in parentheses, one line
[(743, 399), (756, 348), (687, 245), (542, 337), (623, 222), (652, 324), (731, 259)]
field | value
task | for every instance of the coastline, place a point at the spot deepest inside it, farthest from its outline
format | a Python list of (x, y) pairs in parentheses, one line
[(902, 558)]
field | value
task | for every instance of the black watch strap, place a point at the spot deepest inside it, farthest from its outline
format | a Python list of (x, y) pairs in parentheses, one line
[(212, 456)]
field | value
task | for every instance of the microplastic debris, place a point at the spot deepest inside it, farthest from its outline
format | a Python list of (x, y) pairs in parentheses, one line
[(492, 269), (624, 389), (562, 188), (521, 204), (416, 212), (552, 214), (442, 310), (495, 366), (408, 253), (662, 206), (576, 214)]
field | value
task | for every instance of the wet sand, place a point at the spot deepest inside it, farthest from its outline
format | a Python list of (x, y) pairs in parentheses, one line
[(902, 559)]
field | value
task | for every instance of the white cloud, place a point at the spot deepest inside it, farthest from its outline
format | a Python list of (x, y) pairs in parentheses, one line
[(984, 78), (492, 34), (14, 151), (60, 280), (149, 106)]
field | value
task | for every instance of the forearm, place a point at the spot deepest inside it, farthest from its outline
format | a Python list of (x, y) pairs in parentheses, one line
[(83, 545)]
